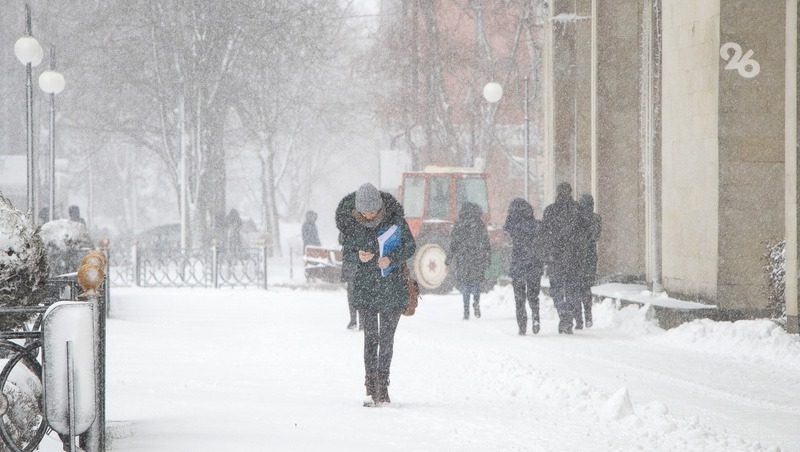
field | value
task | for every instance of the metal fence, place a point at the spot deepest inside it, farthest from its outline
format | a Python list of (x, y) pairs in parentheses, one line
[(22, 420), (209, 267)]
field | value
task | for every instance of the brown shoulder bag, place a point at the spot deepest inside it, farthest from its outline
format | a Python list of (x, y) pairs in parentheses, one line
[(413, 292)]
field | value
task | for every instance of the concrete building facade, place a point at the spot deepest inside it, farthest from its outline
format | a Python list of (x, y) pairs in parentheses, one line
[(689, 131)]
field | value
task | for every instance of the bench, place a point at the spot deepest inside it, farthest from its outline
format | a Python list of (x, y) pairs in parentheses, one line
[(322, 264), (670, 312)]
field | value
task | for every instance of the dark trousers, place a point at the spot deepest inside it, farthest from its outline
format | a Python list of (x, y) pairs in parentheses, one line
[(353, 311), (379, 328), (583, 308), (473, 289), (526, 289), (566, 297)]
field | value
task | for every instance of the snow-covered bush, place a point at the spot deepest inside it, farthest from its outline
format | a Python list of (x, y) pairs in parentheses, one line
[(23, 264), (776, 278), (66, 242), (23, 391)]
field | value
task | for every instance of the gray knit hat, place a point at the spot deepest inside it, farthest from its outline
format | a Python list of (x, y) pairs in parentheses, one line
[(368, 198)]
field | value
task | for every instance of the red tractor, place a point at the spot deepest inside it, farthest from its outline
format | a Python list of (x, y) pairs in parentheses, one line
[(431, 199)]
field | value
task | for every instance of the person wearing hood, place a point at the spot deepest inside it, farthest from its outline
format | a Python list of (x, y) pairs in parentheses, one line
[(309, 230), (470, 254), (588, 274), (526, 266), (563, 235), (365, 219)]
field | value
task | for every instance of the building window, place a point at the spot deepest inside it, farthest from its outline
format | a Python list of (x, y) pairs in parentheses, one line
[(439, 198)]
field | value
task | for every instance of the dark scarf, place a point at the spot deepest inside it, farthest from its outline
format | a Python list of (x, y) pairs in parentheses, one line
[(368, 223)]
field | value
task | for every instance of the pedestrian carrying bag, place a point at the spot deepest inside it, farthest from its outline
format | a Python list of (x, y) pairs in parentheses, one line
[(413, 292)]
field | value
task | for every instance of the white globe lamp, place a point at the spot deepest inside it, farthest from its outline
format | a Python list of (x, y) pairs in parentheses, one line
[(492, 92), (28, 50), (51, 82)]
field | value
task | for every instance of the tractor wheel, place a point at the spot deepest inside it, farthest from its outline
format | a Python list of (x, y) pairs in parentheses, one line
[(430, 270)]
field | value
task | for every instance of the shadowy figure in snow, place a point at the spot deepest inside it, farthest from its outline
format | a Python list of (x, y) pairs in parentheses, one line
[(75, 214), (309, 230), (526, 265), (592, 224), (469, 255), (564, 238)]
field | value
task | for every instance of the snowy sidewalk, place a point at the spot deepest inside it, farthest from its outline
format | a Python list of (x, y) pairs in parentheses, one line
[(235, 370)]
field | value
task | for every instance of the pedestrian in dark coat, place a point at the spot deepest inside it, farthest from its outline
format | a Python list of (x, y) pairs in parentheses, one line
[(379, 287), (592, 226), (526, 266), (470, 254), (309, 230), (564, 238), (346, 224)]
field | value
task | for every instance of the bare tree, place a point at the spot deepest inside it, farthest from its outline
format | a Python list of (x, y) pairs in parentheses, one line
[(435, 104), (292, 100)]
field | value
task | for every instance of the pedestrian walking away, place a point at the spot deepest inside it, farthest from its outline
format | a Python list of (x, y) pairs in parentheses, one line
[(526, 265), (376, 244), (592, 225), (309, 230), (564, 237), (469, 256)]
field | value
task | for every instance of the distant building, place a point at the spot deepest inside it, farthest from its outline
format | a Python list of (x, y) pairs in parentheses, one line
[(679, 118)]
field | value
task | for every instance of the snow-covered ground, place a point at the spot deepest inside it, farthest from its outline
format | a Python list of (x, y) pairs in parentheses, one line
[(252, 370)]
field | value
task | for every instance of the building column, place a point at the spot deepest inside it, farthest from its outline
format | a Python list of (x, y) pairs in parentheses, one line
[(751, 68), (569, 68), (791, 170), (616, 151)]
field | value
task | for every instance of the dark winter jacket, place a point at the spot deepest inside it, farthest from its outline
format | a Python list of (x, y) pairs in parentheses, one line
[(593, 225), (470, 251), (523, 228), (310, 234), (346, 224), (564, 238), (371, 290)]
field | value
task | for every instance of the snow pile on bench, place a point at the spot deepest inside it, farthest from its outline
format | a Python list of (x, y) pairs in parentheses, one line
[(638, 293)]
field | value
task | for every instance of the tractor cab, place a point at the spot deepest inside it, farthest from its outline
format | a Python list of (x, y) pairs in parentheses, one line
[(431, 200)]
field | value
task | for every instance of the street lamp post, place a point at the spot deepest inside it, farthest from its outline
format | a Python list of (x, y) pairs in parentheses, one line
[(493, 92), (29, 52), (52, 83)]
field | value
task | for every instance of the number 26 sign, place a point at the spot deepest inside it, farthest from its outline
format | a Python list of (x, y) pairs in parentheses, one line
[(744, 64)]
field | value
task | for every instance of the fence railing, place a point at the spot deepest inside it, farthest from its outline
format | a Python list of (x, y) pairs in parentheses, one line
[(209, 267), (22, 421)]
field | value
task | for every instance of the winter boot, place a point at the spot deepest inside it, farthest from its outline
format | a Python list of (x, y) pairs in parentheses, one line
[(369, 383), (466, 312), (535, 326), (381, 394), (477, 307), (578, 316), (562, 326)]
